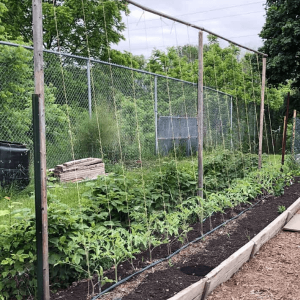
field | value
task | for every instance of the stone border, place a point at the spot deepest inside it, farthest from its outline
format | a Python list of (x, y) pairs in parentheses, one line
[(201, 289)]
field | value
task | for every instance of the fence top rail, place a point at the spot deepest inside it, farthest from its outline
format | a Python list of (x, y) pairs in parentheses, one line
[(192, 25), (110, 64), (98, 61)]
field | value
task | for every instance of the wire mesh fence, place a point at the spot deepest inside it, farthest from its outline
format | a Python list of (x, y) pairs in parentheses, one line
[(295, 145), (132, 109)]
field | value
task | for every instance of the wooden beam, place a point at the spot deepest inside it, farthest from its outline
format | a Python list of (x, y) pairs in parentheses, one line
[(227, 268), (191, 25), (262, 111), (200, 117), (271, 230), (193, 292), (294, 132), (37, 20)]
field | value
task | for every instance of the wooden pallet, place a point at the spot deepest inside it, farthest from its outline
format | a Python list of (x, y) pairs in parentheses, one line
[(78, 170)]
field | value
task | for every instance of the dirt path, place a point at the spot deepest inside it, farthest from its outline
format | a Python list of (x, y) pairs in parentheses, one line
[(274, 273)]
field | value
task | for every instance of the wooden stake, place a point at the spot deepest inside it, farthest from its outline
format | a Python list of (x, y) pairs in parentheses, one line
[(200, 117), (285, 129), (294, 132), (262, 111), (37, 18)]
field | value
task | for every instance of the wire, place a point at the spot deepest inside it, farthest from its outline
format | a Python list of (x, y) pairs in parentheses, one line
[(196, 21), (202, 12)]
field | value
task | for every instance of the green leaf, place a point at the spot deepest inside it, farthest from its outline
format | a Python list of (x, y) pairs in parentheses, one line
[(4, 213)]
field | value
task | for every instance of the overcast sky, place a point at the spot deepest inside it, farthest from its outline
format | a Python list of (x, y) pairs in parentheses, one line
[(239, 20)]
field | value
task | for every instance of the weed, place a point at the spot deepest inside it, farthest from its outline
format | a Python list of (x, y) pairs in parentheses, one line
[(281, 209)]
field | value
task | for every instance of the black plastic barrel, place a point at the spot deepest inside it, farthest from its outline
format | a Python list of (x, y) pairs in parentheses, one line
[(14, 164)]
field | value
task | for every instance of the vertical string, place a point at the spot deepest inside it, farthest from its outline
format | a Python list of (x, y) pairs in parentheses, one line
[(238, 118)]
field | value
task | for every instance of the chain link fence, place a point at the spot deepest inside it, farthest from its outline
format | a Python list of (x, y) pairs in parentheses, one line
[(295, 145), (98, 109)]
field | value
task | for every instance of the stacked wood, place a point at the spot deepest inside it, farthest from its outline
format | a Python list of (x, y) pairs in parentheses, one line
[(81, 169)]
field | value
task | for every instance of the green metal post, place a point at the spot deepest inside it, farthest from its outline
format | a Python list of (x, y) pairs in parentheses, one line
[(38, 193)]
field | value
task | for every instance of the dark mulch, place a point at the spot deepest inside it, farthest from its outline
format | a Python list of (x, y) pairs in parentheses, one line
[(164, 284)]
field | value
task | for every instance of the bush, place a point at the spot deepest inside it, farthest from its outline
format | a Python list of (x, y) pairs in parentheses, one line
[(96, 135)]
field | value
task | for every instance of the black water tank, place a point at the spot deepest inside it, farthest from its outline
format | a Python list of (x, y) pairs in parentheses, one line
[(14, 164)]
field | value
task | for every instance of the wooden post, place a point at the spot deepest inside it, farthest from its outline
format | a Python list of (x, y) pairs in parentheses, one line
[(155, 114), (88, 69), (262, 111), (200, 117), (294, 133), (285, 129), (37, 19)]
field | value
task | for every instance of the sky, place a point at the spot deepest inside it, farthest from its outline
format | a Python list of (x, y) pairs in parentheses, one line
[(238, 20)]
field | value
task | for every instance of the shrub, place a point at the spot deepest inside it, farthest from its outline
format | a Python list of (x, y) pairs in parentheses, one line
[(96, 134)]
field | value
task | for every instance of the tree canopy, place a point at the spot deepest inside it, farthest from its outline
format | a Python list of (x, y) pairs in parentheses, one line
[(225, 69), (93, 27), (281, 36)]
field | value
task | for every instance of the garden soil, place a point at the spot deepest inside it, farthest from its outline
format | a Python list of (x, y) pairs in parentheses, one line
[(193, 263)]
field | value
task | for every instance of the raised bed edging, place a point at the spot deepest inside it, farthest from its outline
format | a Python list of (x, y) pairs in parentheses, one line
[(201, 289)]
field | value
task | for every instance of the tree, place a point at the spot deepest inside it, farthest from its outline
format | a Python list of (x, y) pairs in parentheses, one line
[(3, 9), (281, 36), (225, 69), (17, 87), (94, 27)]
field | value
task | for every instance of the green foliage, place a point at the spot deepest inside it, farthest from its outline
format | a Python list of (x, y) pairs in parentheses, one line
[(16, 97), (97, 15), (281, 41), (3, 9), (225, 70), (97, 134), (94, 236), (281, 209)]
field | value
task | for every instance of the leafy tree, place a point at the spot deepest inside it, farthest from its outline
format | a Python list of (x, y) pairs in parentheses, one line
[(102, 19), (281, 36), (17, 87), (3, 9), (190, 51), (225, 69)]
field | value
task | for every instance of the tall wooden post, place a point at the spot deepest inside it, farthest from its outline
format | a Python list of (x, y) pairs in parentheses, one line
[(262, 111), (155, 115), (294, 133), (200, 117), (285, 128), (88, 70), (37, 19)]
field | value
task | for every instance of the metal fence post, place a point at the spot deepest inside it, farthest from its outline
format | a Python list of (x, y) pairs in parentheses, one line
[(41, 168), (89, 87), (155, 114)]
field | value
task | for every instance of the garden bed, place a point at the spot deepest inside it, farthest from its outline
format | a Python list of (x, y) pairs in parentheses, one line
[(168, 278), (262, 277)]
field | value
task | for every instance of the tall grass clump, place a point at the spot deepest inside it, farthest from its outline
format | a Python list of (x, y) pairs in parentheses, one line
[(99, 130)]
